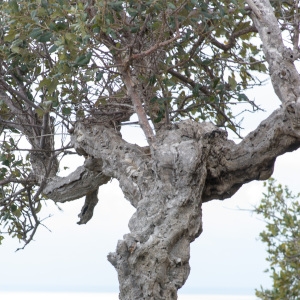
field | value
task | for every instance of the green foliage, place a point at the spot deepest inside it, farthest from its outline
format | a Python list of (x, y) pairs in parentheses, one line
[(15, 210), (281, 210), (66, 48), (62, 60)]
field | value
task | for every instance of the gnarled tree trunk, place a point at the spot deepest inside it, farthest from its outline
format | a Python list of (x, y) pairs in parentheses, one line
[(188, 164)]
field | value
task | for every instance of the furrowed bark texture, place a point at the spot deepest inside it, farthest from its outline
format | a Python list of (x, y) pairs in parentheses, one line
[(189, 163)]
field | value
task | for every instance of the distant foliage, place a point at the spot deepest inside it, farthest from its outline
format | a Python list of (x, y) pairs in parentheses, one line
[(281, 210)]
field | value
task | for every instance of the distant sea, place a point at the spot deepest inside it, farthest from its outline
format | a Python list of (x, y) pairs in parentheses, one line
[(101, 296)]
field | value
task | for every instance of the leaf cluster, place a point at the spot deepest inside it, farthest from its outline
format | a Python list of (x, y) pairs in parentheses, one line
[(280, 208), (18, 206)]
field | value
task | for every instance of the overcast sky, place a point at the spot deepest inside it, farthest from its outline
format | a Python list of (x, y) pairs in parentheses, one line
[(226, 258)]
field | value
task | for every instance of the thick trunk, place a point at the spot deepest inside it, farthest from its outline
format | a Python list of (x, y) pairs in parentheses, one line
[(188, 163), (153, 259)]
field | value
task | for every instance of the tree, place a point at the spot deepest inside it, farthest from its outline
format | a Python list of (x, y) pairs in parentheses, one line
[(280, 208), (80, 70)]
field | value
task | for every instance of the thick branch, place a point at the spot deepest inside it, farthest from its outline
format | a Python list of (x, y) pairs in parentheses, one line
[(231, 165), (118, 159), (78, 184), (87, 210), (284, 75), (44, 130)]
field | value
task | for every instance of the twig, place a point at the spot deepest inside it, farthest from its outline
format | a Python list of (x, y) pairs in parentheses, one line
[(17, 93), (154, 47), (12, 195), (15, 180)]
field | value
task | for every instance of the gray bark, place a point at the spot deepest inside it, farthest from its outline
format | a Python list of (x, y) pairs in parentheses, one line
[(189, 163), (186, 164)]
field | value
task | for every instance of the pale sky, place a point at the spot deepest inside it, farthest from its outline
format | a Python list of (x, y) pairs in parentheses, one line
[(226, 258)]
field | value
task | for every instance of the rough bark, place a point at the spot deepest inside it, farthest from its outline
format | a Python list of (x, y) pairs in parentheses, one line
[(189, 163), (283, 73)]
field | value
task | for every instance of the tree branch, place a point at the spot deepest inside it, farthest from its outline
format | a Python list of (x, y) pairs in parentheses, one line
[(154, 47), (205, 91), (74, 186), (117, 158), (284, 75), (17, 180), (254, 8), (44, 130), (231, 165), (87, 210), (232, 38), (17, 93), (138, 107)]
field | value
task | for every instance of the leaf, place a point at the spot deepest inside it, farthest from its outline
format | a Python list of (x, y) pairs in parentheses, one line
[(116, 6), (70, 36), (232, 82), (196, 90), (15, 49), (35, 33), (99, 75), (45, 37), (171, 5), (17, 213), (83, 60), (53, 48), (45, 83), (243, 97), (14, 5), (10, 36), (38, 208), (66, 110), (52, 86), (135, 29), (152, 79)]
